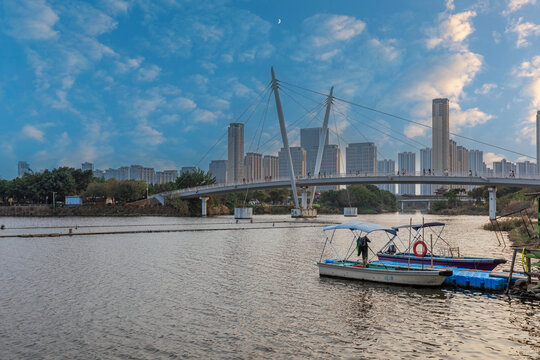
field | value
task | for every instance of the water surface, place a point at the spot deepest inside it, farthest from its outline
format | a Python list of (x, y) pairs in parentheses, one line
[(237, 294)]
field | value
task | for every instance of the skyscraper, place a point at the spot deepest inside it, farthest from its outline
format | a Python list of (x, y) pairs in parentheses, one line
[(309, 140), (476, 162), (135, 172), (85, 166), (440, 135), (253, 164), (218, 169), (235, 163), (407, 164), (298, 155), (362, 158), (386, 167), (426, 166), (270, 167), (452, 157), (462, 160), (23, 168)]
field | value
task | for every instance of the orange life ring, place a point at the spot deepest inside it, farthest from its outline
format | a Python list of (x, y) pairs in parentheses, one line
[(424, 251)]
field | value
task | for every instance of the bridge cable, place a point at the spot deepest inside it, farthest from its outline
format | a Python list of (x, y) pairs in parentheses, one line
[(411, 121)]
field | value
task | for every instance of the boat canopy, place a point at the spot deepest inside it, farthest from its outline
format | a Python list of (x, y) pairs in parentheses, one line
[(362, 226), (419, 226)]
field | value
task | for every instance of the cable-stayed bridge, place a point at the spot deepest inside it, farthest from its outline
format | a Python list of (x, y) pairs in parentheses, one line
[(307, 185)]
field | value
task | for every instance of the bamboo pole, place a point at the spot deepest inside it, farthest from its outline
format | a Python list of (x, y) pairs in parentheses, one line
[(410, 232), (431, 242)]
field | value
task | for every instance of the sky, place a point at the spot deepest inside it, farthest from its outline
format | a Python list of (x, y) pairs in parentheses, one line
[(156, 82)]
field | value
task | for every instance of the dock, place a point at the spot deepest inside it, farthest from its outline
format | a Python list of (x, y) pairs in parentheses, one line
[(485, 280)]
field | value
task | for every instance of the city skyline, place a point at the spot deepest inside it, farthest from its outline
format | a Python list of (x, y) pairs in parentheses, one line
[(119, 82)]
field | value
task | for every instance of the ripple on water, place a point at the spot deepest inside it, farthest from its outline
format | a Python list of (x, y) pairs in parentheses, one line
[(239, 294)]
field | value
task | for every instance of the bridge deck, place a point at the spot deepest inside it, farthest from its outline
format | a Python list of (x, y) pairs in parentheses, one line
[(350, 180)]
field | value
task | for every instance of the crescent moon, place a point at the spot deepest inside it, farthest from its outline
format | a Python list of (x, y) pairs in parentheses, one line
[(279, 21)]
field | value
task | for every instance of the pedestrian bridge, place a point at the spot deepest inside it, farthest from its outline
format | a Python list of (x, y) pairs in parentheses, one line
[(347, 179)]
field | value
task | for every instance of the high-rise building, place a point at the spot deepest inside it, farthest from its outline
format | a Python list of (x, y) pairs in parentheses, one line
[(331, 161), (187, 169), (148, 175), (440, 136), (166, 176), (135, 172), (462, 160), (526, 169), (218, 169), (87, 166), (298, 155), (361, 158), (476, 162), (270, 167), (235, 164), (23, 168), (123, 173), (309, 140), (407, 165), (426, 166), (503, 168), (253, 167), (98, 173), (386, 167), (452, 154)]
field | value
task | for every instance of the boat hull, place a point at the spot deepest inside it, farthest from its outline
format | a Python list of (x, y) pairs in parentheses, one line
[(477, 263), (388, 276)]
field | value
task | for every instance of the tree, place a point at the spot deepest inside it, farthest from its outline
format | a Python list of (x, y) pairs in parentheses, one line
[(195, 178)]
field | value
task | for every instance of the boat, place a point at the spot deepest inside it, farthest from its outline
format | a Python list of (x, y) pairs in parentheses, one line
[(421, 253), (345, 267)]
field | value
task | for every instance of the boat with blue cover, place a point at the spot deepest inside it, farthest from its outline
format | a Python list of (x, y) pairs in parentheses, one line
[(413, 255), (345, 267)]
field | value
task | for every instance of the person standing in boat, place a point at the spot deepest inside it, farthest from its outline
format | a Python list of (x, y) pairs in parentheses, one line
[(362, 248)]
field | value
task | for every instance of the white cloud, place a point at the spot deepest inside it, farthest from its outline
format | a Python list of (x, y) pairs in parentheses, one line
[(116, 6), (148, 134), (467, 118), (129, 64), (530, 70), (186, 104), (33, 132), (448, 77), (145, 106), (515, 5), (325, 35), (452, 30), (149, 73), (205, 116), (485, 89), (523, 31), (385, 48), (450, 5), (91, 21), (490, 157), (30, 19)]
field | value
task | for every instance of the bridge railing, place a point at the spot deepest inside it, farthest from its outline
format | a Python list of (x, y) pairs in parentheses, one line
[(359, 174)]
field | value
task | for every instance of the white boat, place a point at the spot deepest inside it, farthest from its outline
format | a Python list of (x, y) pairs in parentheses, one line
[(344, 267)]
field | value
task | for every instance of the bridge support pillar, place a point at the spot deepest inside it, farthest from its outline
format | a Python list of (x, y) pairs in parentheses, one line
[(203, 207), (402, 205), (304, 198), (492, 203)]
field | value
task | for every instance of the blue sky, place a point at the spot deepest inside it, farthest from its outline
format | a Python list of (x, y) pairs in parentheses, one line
[(120, 82)]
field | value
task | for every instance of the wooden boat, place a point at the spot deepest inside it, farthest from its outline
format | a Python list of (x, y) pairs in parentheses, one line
[(389, 252), (344, 267)]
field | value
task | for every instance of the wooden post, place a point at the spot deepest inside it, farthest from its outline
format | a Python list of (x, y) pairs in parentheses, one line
[(528, 268), (511, 271)]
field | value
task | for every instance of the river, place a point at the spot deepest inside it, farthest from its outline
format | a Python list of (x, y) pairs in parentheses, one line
[(237, 294)]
